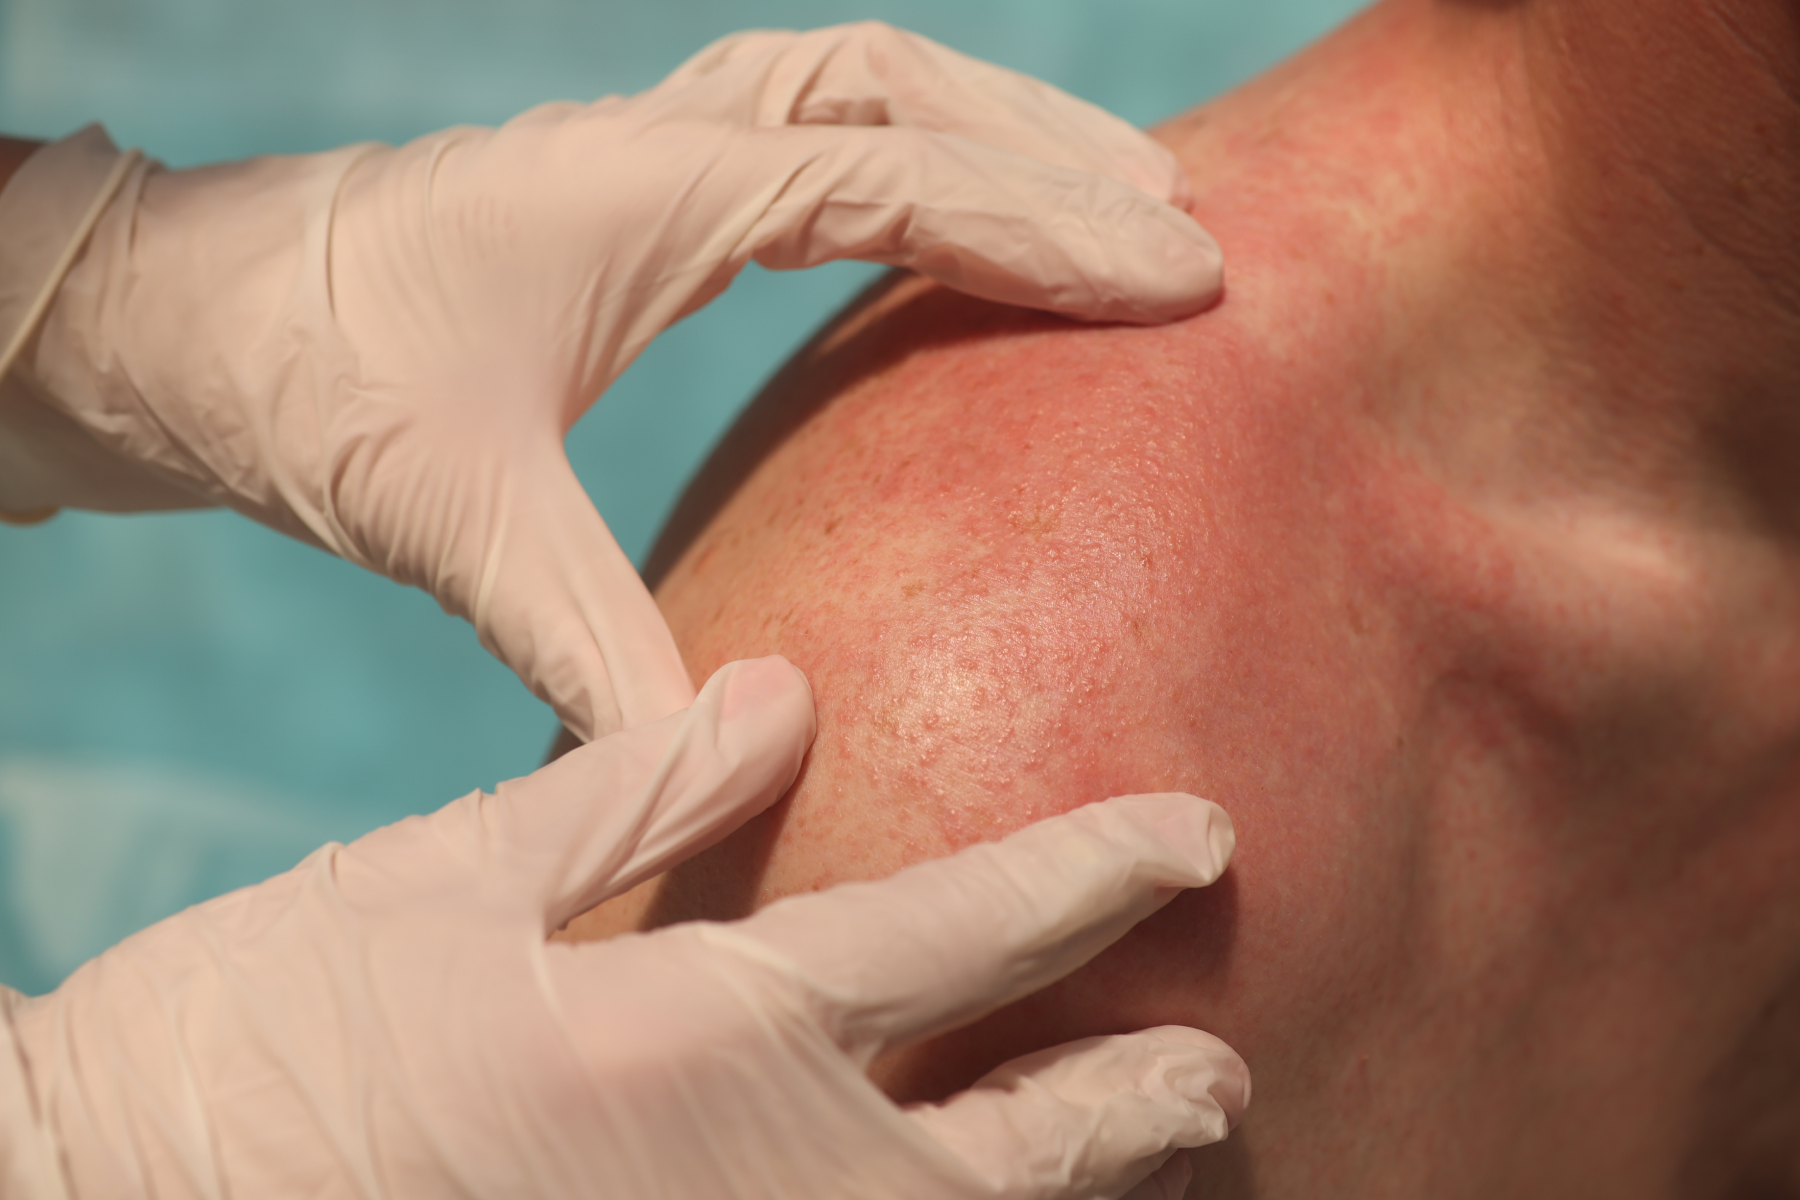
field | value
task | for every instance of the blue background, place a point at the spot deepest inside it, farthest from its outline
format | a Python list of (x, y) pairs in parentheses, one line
[(190, 703)]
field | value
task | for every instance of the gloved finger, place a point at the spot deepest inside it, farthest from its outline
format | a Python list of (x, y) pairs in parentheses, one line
[(991, 223), (611, 814), (984, 221), (489, 518), (869, 73), (943, 943), (560, 603), (1098, 1117)]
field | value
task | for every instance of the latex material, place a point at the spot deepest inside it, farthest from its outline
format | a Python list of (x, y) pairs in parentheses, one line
[(46, 211), (33, 264), (379, 350), (390, 1019)]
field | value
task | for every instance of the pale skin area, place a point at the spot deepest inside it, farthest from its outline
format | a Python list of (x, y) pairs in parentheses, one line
[(1457, 554)]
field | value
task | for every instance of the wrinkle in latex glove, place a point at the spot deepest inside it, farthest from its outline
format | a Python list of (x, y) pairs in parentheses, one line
[(390, 1018), (379, 349)]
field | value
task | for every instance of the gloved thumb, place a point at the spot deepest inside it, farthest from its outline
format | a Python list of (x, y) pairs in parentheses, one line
[(611, 814)]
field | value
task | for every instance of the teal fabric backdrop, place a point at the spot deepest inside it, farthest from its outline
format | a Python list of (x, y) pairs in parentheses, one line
[(190, 703)]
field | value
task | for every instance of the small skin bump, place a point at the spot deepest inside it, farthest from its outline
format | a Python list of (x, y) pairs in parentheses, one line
[(1039, 522)]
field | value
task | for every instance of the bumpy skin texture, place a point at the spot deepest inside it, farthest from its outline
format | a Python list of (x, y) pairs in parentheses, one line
[(1407, 555)]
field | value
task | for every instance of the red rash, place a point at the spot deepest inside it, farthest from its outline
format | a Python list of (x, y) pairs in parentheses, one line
[(1501, 689)]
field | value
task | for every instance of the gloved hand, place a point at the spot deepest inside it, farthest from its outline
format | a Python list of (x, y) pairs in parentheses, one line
[(390, 1018), (379, 350)]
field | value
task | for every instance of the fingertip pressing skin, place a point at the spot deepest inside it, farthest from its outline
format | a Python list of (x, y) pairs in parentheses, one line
[(1198, 828), (771, 684), (1215, 1074), (1170, 267)]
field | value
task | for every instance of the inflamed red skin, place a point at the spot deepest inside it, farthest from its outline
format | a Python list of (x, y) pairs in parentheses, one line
[(1480, 617)]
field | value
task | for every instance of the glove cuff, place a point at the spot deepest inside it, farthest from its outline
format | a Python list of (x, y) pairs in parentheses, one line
[(47, 211), (29, 1162)]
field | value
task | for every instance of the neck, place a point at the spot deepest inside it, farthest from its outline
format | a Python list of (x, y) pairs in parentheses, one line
[(1592, 207), (1673, 127), (1663, 236)]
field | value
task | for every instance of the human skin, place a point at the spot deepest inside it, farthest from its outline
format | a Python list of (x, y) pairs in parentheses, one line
[(1454, 553)]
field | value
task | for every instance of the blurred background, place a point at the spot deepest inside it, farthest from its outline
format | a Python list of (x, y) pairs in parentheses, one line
[(191, 703)]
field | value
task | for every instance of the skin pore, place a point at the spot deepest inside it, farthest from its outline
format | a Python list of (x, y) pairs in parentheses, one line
[(1456, 553)]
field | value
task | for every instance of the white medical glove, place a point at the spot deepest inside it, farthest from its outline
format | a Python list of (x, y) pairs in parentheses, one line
[(379, 350), (391, 1019)]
